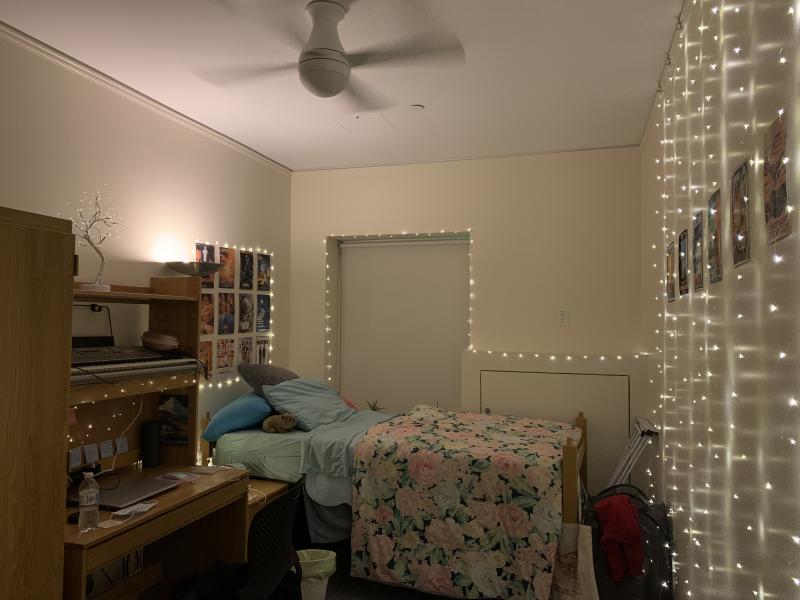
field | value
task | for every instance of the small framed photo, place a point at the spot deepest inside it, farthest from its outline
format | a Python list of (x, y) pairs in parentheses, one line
[(205, 253), (715, 237), (740, 215), (227, 272), (776, 196), (683, 262), (671, 272), (697, 250)]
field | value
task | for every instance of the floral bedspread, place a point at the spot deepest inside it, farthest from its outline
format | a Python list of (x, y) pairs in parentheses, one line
[(460, 505)]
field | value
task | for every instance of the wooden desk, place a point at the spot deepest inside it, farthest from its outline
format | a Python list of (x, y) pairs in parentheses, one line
[(189, 529)]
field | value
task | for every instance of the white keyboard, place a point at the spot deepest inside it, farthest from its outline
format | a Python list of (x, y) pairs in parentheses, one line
[(108, 372)]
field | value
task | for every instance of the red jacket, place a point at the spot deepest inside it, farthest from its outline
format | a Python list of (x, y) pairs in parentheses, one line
[(622, 538)]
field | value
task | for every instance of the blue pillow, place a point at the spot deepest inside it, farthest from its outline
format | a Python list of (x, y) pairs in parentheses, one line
[(312, 402), (245, 412)]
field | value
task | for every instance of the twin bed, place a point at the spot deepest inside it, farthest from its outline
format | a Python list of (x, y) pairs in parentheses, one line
[(461, 505)]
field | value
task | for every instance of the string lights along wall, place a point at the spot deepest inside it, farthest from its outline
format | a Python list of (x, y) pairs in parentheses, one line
[(727, 348)]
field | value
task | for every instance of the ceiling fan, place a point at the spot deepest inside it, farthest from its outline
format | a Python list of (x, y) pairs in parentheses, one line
[(325, 67)]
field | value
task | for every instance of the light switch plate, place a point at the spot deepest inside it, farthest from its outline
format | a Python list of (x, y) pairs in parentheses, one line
[(563, 317)]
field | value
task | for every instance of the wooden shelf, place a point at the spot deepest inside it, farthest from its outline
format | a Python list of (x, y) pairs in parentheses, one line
[(132, 386), (127, 295)]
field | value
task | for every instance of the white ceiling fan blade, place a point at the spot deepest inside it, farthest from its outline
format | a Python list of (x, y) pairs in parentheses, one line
[(362, 98), (222, 76), (426, 48)]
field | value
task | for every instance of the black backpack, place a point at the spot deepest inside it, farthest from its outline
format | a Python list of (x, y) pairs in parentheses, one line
[(656, 526)]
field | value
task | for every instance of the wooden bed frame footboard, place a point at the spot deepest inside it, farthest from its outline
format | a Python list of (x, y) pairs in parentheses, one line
[(573, 472)]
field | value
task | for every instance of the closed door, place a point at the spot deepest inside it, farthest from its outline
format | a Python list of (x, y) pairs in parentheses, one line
[(404, 319)]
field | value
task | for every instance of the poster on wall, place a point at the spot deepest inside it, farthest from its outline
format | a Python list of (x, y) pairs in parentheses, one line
[(205, 356), (262, 350), (697, 251), (207, 314), (671, 272), (262, 313), (227, 313), (205, 253), (683, 262), (245, 270), (776, 198), (740, 215), (225, 355), (227, 273), (246, 313), (246, 351), (715, 238), (264, 271)]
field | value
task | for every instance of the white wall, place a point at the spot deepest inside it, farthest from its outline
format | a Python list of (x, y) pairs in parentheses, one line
[(725, 388), (66, 131), (549, 231)]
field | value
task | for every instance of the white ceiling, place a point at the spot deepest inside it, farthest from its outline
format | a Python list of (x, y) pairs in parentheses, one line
[(540, 75)]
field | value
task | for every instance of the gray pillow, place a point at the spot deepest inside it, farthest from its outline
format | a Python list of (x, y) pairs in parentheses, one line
[(257, 376), (312, 402)]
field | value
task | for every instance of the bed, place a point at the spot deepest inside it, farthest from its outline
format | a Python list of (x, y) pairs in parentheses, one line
[(461, 505)]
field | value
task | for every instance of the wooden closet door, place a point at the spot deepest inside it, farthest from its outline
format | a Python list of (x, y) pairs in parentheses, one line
[(36, 257)]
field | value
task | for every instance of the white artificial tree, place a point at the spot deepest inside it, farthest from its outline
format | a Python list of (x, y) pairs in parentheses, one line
[(94, 222)]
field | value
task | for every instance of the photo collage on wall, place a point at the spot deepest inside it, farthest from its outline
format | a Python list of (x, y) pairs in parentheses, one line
[(235, 309), (777, 214)]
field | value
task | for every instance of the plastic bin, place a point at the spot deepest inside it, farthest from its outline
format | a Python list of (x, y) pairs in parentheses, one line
[(317, 566)]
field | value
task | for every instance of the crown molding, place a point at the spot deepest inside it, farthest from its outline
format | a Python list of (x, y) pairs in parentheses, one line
[(52, 55)]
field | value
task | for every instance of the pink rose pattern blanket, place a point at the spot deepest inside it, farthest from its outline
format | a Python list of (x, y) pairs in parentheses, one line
[(460, 505)]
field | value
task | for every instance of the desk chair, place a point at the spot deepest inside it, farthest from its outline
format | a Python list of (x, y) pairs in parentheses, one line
[(270, 550)]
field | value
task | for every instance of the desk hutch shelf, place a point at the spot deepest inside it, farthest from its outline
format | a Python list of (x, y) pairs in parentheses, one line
[(104, 410)]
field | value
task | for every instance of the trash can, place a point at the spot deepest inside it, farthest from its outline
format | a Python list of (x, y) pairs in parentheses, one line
[(317, 566)]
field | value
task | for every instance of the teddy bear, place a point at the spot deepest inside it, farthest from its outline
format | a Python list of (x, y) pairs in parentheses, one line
[(279, 423)]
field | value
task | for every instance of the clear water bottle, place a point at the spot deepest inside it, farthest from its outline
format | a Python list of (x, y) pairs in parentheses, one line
[(89, 503)]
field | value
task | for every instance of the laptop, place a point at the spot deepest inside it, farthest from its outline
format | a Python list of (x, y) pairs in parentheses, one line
[(130, 491)]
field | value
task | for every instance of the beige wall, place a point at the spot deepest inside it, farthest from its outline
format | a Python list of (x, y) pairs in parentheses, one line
[(726, 371), (65, 133), (549, 231)]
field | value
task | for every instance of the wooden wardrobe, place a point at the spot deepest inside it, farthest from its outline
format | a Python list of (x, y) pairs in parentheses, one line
[(36, 269)]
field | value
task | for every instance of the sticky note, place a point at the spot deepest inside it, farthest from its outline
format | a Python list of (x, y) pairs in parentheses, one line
[(106, 449), (90, 451), (75, 458), (122, 444)]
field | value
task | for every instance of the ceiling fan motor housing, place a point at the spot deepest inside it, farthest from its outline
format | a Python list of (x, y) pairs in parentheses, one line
[(323, 66)]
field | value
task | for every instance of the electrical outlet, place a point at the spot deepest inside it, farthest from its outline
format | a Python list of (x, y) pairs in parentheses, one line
[(563, 317)]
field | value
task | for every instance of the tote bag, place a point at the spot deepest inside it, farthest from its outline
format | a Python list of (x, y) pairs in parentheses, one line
[(573, 578)]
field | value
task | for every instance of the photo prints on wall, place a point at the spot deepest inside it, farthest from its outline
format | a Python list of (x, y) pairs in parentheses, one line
[(235, 309), (777, 216)]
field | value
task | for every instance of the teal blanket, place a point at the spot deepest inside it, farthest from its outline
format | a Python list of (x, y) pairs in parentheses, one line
[(328, 449)]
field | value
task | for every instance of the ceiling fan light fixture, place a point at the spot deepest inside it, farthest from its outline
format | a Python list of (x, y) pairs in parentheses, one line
[(324, 77)]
